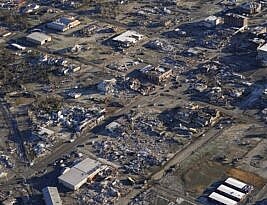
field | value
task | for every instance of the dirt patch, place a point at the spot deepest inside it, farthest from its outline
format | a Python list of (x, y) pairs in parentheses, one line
[(198, 177), (247, 177)]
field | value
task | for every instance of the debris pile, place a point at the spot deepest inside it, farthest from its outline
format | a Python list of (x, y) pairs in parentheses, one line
[(189, 120), (73, 118)]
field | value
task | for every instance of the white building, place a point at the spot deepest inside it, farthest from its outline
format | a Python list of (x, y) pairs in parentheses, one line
[(63, 24), (38, 38), (222, 199), (212, 21), (80, 174), (262, 54), (236, 184), (51, 196), (231, 192), (127, 39)]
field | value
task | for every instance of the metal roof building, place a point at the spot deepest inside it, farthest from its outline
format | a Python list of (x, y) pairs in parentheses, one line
[(231, 192), (51, 196), (222, 199), (38, 38), (236, 183), (80, 173)]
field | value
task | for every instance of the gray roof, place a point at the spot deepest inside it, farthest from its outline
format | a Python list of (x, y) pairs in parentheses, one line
[(73, 176), (87, 165), (51, 196), (38, 36), (80, 171)]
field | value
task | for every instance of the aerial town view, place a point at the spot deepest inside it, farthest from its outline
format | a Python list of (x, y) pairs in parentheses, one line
[(133, 102)]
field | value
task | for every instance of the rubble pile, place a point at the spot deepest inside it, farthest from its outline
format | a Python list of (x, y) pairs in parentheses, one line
[(104, 190), (189, 120), (6, 162), (73, 118), (217, 84), (160, 45), (124, 86), (59, 64), (122, 67), (211, 39), (137, 142)]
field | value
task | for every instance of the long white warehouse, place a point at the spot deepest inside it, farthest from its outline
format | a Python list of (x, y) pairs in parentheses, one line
[(231, 192), (222, 199), (236, 183)]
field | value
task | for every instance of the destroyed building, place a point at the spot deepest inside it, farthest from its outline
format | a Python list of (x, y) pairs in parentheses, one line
[(186, 121), (107, 86), (63, 24), (211, 21), (235, 20), (251, 7), (126, 39), (156, 74), (74, 118)]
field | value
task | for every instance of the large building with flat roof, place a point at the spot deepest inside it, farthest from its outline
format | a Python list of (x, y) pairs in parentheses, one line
[(38, 38), (80, 174), (51, 196)]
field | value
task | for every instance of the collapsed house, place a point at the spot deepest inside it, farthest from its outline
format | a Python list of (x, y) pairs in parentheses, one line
[(156, 74)]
